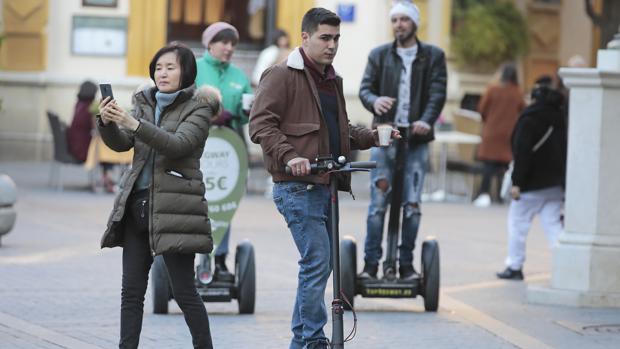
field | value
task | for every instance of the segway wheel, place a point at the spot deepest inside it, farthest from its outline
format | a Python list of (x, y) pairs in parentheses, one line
[(430, 278), (245, 277), (348, 269), (160, 286)]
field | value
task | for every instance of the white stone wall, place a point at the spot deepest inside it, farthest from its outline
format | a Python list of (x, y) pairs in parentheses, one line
[(370, 29), (59, 57), (24, 130), (578, 25)]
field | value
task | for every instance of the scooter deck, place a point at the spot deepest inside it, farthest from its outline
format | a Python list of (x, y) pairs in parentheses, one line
[(383, 288), (217, 291)]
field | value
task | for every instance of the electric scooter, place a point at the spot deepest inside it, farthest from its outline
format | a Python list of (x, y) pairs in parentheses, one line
[(390, 286), (329, 167)]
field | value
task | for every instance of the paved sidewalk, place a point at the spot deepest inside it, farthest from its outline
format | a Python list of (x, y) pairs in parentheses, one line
[(59, 290)]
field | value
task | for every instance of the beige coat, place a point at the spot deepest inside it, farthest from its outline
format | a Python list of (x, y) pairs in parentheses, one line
[(178, 217)]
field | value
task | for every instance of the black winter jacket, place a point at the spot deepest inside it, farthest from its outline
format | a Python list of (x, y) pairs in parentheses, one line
[(428, 84), (546, 167)]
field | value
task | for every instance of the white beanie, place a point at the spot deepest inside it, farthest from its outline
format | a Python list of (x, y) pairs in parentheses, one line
[(408, 9)]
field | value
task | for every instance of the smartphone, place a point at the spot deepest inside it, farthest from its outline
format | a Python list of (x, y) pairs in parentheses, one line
[(106, 91)]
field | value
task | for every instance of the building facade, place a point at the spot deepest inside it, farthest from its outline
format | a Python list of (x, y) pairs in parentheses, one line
[(50, 46)]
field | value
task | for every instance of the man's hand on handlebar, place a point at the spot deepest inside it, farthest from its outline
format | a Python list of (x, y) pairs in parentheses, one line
[(299, 166)]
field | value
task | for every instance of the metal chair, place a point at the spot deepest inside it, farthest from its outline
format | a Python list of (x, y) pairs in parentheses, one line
[(61, 150)]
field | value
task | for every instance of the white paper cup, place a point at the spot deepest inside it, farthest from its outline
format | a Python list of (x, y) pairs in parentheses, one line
[(385, 133), (246, 100)]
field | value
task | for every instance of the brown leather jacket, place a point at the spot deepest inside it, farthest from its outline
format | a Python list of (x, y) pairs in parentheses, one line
[(286, 120)]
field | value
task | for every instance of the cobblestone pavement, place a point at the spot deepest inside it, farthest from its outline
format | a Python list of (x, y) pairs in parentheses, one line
[(59, 290)]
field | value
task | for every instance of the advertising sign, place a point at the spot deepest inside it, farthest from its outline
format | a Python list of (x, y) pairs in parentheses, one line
[(224, 165)]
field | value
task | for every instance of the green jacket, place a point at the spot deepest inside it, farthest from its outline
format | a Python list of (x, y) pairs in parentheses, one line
[(230, 80)]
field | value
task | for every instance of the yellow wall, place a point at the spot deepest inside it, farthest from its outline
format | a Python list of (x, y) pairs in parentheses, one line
[(290, 14), (24, 47), (446, 25), (436, 18), (423, 29), (146, 33)]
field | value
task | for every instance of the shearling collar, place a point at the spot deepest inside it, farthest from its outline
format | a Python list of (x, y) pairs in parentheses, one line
[(295, 60)]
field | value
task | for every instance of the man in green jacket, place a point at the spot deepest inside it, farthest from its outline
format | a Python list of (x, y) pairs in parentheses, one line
[(214, 69)]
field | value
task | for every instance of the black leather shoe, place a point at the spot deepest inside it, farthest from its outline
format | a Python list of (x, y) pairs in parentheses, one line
[(221, 273), (369, 272), (407, 272), (510, 274)]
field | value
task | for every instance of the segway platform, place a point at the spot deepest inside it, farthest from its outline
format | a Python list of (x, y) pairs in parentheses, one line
[(381, 288), (390, 286), (216, 292)]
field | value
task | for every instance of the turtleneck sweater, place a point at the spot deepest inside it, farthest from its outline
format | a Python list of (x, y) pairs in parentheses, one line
[(162, 101)]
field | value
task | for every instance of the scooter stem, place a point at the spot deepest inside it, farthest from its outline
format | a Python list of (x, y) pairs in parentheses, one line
[(337, 307)]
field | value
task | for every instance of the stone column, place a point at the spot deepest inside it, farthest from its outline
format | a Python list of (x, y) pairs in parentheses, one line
[(586, 261)]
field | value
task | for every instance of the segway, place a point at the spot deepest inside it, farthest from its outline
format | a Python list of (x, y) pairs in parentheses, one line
[(328, 167), (390, 286), (224, 165)]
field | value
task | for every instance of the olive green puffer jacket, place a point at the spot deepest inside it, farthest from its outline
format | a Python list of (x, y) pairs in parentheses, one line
[(178, 216)]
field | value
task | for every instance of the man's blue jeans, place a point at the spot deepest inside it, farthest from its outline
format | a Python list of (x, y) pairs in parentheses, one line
[(413, 182), (222, 247), (306, 209)]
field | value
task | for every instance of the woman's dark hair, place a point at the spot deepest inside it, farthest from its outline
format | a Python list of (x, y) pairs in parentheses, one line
[(226, 35), (185, 58), (509, 74), (316, 16), (276, 35), (87, 91)]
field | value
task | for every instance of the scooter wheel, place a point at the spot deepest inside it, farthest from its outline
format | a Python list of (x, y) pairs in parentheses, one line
[(430, 276), (161, 286), (245, 275), (348, 269)]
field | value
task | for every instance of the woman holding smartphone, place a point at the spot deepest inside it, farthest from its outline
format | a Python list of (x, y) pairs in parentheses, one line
[(161, 209)]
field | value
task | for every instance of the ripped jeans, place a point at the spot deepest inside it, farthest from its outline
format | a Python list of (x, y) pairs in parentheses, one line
[(413, 182)]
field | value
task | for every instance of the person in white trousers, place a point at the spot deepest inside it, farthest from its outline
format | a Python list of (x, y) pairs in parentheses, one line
[(539, 152)]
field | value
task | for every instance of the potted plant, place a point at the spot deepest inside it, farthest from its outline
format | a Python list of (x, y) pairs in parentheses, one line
[(487, 33)]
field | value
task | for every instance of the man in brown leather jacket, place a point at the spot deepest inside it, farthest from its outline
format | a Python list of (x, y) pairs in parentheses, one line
[(298, 115)]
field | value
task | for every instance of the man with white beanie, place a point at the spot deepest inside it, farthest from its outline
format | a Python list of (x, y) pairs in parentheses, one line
[(404, 83)]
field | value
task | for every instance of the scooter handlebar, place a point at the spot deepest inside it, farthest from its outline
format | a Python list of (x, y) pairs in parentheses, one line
[(315, 168), (363, 164)]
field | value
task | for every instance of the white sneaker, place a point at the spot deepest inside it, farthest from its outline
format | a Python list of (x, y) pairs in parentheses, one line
[(483, 200)]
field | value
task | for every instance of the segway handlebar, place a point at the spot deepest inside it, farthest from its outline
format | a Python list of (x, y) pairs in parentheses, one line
[(329, 165)]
